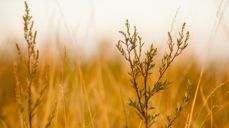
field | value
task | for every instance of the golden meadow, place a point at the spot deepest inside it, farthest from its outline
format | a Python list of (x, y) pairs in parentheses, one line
[(130, 88)]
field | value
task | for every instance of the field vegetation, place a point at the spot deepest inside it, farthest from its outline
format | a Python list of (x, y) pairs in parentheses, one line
[(134, 89)]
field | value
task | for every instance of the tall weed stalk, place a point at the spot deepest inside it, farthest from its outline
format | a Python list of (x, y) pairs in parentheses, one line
[(25, 87), (141, 66)]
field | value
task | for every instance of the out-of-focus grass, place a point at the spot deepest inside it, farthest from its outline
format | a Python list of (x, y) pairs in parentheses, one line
[(94, 93)]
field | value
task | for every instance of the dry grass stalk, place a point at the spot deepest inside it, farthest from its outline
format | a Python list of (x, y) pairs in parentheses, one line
[(24, 94), (142, 66)]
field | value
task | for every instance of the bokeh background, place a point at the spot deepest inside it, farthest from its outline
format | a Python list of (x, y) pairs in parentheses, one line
[(88, 79)]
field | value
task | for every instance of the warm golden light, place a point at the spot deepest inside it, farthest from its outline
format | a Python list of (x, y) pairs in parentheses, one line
[(114, 63)]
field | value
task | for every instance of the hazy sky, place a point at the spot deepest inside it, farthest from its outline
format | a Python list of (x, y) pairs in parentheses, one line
[(88, 21)]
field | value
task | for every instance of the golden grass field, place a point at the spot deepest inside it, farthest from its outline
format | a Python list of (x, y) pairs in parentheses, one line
[(94, 92)]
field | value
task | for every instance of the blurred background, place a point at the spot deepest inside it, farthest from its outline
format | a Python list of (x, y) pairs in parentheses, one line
[(87, 78)]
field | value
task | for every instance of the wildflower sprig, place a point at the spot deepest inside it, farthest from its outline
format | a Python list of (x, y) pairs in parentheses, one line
[(141, 69), (24, 94)]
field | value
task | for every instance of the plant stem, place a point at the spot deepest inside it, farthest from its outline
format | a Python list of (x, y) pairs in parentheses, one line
[(146, 101), (30, 78), (29, 104)]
